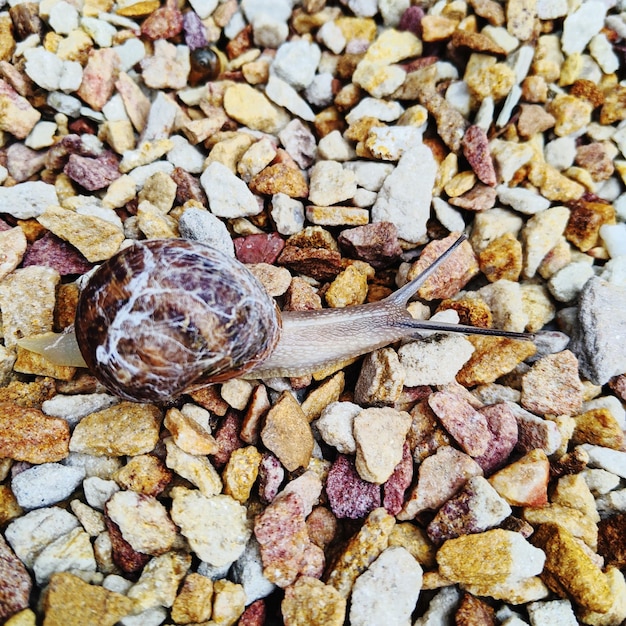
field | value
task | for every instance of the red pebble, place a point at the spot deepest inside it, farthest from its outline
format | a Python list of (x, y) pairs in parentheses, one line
[(397, 484), (259, 248), (476, 151), (50, 251), (164, 23), (271, 476), (503, 426), (16, 583), (93, 174), (227, 437), (254, 615), (348, 494), (124, 555)]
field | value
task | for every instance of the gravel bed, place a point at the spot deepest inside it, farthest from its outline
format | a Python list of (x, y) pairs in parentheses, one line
[(336, 149)]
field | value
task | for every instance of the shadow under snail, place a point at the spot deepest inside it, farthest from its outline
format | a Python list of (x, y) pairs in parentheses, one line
[(165, 317)]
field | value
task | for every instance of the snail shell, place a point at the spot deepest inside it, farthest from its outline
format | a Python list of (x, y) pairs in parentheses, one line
[(206, 64), (164, 317)]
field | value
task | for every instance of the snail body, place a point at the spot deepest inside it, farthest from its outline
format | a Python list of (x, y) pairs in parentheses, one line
[(165, 317)]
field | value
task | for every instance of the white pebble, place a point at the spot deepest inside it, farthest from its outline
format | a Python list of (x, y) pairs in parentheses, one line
[(450, 218), (600, 481), (602, 51), (434, 361), (247, 571), (100, 31), (280, 9), (71, 76), (283, 94), (296, 62), (335, 148), (509, 104), (41, 136), (383, 110), (502, 37), (114, 110), (607, 459), (228, 195), (46, 484), (581, 25), (441, 608), (44, 68), (331, 183), (201, 225), (522, 200), (552, 613), (614, 238), (566, 284), (320, 91), (73, 408), (364, 198), (335, 426), (392, 10), (370, 174), (332, 37), (29, 199), (362, 8), (69, 552), (63, 18), (551, 9), (185, 155), (29, 534), (484, 115), (460, 97), (561, 152), (131, 52), (141, 174), (287, 213), (614, 271), (203, 8), (63, 103), (612, 404), (150, 617), (387, 592), (98, 491), (269, 32), (404, 199)]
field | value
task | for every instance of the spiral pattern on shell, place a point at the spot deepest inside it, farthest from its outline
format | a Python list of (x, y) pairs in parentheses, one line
[(164, 317)]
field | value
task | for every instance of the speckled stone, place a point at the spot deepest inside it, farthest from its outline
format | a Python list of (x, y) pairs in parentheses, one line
[(17, 585), (362, 549), (310, 601), (198, 470), (251, 108), (29, 435), (489, 558), (381, 378), (68, 599), (375, 463), (241, 472), (193, 602), (287, 433), (123, 429), (570, 569), (553, 386), (216, 527), (524, 482)]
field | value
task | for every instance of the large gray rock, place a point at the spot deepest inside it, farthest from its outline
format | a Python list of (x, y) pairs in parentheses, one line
[(599, 339)]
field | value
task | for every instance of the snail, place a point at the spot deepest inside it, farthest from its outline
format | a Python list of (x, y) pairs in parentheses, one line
[(165, 317), (207, 64)]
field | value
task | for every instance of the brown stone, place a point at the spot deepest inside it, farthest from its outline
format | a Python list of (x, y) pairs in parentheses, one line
[(584, 88), (595, 159), (280, 178), (26, 434), (287, 433), (145, 474), (471, 311), (473, 611), (612, 540), (476, 42), (598, 427), (502, 259), (614, 107), (533, 119), (317, 263)]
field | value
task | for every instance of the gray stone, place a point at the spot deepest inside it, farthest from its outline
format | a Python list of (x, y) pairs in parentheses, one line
[(29, 199), (601, 321), (247, 571), (200, 225)]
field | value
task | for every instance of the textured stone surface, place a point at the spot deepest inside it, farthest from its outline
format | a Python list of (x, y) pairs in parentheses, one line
[(16, 588), (310, 601)]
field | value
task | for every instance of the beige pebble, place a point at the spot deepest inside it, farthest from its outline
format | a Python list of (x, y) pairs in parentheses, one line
[(381, 379), (188, 435), (251, 108), (13, 246), (241, 472), (198, 470), (310, 601), (229, 602), (194, 600)]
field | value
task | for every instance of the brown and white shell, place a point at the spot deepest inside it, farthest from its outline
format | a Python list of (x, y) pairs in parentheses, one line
[(163, 317)]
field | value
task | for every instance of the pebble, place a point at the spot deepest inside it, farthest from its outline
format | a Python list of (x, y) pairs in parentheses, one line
[(382, 110), (554, 612), (571, 567), (373, 462), (599, 320), (434, 361), (400, 201), (19, 117), (349, 495), (310, 601), (46, 484), (216, 526), (286, 549), (581, 25), (284, 95), (524, 482), (70, 552), (247, 571), (613, 461), (251, 108), (95, 238), (72, 408), (198, 470), (143, 522), (228, 195), (476, 508), (335, 426), (201, 225), (26, 434), (296, 62), (17, 585), (68, 599), (123, 429), (493, 557), (388, 590), (287, 433), (159, 581), (28, 199), (568, 282), (441, 608), (552, 385), (381, 379), (440, 476)]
